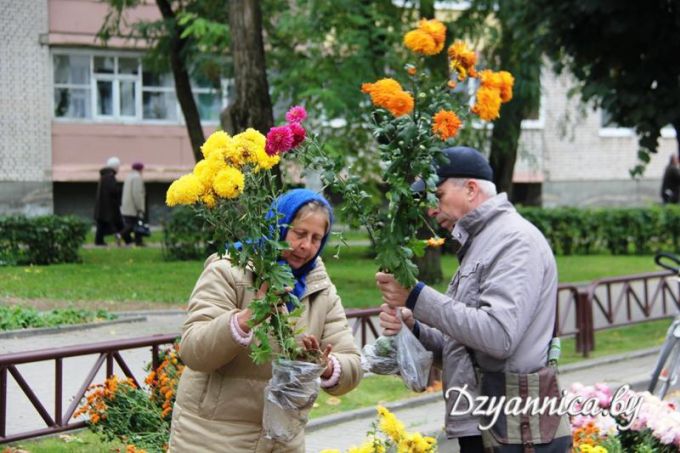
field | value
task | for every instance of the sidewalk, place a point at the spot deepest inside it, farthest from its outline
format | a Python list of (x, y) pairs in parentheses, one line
[(426, 413), (341, 431)]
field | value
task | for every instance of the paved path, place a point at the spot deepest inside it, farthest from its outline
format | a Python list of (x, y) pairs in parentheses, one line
[(424, 414)]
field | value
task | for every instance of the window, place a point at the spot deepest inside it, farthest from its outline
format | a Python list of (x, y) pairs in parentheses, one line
[(109, 87)]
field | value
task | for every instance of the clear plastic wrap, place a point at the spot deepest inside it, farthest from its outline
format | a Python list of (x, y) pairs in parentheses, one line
[(380, 357), (289, 397), (414, 360)]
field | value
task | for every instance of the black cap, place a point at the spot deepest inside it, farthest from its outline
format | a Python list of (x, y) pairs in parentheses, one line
[(461, 162)]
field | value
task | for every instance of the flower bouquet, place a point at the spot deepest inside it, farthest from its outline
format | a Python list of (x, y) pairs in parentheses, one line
[(234, 189), (412, 121)]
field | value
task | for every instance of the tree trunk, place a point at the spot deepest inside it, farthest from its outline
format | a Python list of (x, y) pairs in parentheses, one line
[(182, 81), (504, 141), (252, 106), (430, 265)]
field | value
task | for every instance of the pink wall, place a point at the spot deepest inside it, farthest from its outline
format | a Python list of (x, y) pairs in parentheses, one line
[(78, 21), (79, 150)]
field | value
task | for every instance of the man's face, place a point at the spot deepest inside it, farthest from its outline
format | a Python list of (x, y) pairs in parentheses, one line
[(454, 203)]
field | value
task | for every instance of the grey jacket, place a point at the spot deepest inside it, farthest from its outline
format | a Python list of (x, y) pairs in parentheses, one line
[(499, 307), (133, 195)]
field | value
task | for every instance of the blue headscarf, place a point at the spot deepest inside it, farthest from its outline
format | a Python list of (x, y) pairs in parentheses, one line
[(288, 205)]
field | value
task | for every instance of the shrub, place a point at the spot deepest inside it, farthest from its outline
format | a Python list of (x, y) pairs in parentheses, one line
[(41, 240), (186, 235), (18, 317)]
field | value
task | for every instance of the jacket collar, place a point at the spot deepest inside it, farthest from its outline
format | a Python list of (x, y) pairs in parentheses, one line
[(317, 279), (474, 221)]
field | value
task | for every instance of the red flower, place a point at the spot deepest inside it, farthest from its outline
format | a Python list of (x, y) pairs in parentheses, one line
[(279, 140), (296, 114), (299, 133)]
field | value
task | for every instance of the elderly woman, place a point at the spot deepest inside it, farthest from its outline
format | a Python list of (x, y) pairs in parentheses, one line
[(220, 397)]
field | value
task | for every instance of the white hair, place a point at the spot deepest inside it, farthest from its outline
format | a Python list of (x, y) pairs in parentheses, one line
[(487, 188)]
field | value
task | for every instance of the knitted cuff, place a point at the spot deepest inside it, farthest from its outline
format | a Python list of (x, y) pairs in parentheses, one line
[(239, 335), (335, 377)]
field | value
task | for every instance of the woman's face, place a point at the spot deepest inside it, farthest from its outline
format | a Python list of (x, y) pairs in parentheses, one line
[(304, 237)]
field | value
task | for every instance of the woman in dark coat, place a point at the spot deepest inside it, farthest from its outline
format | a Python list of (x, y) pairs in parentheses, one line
[(107, 207)]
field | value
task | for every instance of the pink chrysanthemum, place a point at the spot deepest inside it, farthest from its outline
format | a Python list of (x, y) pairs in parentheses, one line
[(299, 133), (279, 140), (296, 114)]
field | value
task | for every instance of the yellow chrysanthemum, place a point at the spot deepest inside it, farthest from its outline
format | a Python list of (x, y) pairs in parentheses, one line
[(462, 60), (218, 142), (264, 161), (445, 124), (206, 169), (435, 242), (420, 42), (366, 447), (249, 144), (488, 103), (415, 443), (185, 190), (209, 199), (229, 183), (388, 94), (330, 450), (436, 29), (390, 424)]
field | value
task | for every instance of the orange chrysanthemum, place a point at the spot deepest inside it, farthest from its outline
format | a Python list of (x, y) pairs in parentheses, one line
[(462, 60), (445, 124), (488, 103), (502, 81), (436, 29), (420, 42), (388, 94)]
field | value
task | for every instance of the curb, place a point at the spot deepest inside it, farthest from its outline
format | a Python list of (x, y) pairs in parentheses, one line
[(608, 359), (366, 412), (67, 328)]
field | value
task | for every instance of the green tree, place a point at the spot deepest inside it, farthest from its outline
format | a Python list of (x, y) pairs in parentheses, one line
[(510, 43), (625, 57), (172, 48)]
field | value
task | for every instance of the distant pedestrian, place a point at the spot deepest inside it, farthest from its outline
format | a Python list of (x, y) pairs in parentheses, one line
[(670, 184), (107, 207), (133, 206)]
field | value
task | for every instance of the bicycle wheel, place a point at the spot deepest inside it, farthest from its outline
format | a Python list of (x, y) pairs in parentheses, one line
[(667, 373)]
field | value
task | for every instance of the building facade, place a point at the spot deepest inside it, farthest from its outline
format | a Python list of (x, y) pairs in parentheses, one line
[(68, 103)]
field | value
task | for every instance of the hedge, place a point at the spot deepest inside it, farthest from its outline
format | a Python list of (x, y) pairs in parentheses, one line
[(570, 231), (41, 240)]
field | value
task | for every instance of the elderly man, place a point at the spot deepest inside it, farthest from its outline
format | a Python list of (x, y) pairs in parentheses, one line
[(494, 325)]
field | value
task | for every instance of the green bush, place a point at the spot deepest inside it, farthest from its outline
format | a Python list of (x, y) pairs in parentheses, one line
[(18, 317), (186, 235), (619, 231), (41, 240)]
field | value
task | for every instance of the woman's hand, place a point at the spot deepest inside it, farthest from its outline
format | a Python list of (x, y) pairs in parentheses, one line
[(389, 320), (310, 343), (244, 316)]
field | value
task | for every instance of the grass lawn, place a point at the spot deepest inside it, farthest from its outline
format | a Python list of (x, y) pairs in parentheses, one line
[(132, 278), (83, 441)]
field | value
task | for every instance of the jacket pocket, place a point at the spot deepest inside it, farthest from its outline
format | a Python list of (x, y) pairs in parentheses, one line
[(468, 284)]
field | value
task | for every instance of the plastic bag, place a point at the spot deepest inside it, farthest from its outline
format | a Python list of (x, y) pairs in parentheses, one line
[(380, 357), (288, 398), (414, 360)]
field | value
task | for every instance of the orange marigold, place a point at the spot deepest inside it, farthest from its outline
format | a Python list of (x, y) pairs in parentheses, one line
[(502, 81), (445, 124), (488, 103), (420, 42)]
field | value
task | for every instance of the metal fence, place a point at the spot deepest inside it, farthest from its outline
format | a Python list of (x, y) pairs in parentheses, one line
[(581, 310)]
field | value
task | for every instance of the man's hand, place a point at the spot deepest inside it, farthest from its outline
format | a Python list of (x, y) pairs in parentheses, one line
[(393, 293), (389, 320)]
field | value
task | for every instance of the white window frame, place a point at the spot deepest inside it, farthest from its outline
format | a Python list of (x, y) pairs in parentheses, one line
[(116, 117), (624, 132)]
